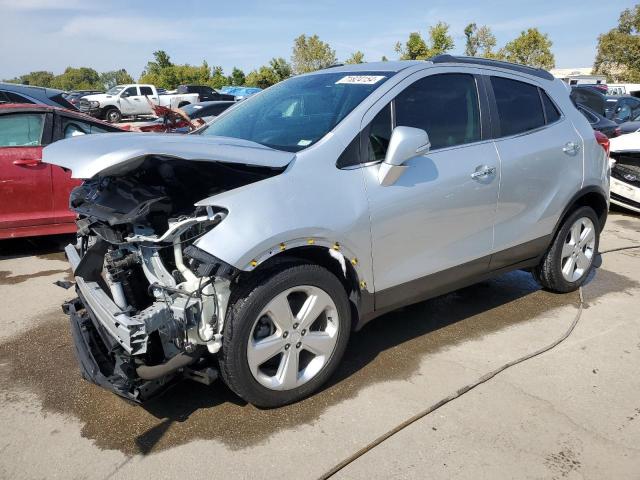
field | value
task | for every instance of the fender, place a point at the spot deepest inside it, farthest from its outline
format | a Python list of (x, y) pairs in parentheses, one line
[(576, 200)]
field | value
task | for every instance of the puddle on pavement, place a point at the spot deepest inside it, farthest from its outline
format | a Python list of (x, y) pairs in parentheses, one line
[(389, 348), (45, 248)]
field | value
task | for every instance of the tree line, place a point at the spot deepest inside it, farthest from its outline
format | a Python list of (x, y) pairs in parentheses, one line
[(617, 57)]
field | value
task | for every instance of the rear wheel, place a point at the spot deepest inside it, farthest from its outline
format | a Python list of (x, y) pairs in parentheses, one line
[(112, 115), (567, 263), (285, 336)]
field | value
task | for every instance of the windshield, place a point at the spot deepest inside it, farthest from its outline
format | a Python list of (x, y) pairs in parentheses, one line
[(298, 112), (115, 90)]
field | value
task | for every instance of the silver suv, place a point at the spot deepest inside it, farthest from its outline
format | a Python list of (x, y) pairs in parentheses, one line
[(254, 247)]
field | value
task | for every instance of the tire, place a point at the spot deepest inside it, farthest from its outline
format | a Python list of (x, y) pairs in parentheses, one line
[(567, 264), (112, 115), (264, 380)]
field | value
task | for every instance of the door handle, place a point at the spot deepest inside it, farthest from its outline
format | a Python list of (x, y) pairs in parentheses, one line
[(27, 162), (483, 171), (571, 148)]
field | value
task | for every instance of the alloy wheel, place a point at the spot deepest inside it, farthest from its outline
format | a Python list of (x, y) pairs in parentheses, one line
[(293, 338), (578, 249)]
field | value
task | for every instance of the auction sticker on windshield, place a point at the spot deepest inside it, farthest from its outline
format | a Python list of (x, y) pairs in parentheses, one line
[(361, 79)]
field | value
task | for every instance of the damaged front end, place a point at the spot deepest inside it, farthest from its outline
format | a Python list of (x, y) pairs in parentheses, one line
[(625, 179), (151, 304)]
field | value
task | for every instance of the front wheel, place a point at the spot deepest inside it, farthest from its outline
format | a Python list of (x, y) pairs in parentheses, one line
[(285, 336), (112, 115), (567, 263)]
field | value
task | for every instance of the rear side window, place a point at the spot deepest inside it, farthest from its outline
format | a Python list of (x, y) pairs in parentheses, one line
[(445, 106), (519, 106), (146, 91), (21, 130), (550, 110), (73, 128)]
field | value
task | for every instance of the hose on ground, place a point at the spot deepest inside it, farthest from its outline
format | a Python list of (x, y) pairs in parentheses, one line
[(485, 378)]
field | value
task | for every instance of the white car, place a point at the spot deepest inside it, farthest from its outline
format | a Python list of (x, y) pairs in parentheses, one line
[(131, 100), (625, 171)]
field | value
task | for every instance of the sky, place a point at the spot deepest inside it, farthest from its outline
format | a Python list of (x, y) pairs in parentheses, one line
[(108, 35)]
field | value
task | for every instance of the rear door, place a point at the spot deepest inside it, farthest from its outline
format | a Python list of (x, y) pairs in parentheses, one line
[(541, 166), (147, 92), (25, 182)]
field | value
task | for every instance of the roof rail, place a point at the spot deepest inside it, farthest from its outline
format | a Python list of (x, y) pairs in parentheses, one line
[(536, 72)]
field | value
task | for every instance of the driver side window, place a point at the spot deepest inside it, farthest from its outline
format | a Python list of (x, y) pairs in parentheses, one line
[(131, 92)]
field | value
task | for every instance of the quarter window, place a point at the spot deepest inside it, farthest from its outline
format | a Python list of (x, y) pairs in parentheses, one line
[(445, 106), (550, 110), (519, 106), (21, 130), (378, 135)]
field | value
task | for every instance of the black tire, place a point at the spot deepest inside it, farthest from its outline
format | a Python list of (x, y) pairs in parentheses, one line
[(242, 315), (112, 115), (549, 272)]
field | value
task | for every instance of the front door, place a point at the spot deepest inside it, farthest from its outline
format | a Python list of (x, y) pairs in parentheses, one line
[(25, 182), (131, 101), (438, 216)]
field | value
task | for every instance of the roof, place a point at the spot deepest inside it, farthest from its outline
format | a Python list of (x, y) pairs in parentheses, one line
[(486, 62), (394, 66), (17, 87)]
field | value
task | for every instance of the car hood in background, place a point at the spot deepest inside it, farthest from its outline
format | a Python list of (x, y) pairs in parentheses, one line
[(625, 143), (117, 153), (629, 127)]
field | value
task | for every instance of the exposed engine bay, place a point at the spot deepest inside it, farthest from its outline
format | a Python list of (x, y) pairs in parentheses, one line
[(151, 305)]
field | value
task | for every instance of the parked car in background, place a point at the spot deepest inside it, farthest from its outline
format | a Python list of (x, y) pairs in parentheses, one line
[(34, 196), (631, 126), (600, 122), (74, 96), (589, 97), (625, 172), (624, 89), (623, 108), (14, 93), (205, 93), (307, 210), (131, 101), (207, 110)]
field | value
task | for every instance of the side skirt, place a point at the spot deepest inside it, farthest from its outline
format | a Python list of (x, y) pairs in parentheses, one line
[(520, 257)]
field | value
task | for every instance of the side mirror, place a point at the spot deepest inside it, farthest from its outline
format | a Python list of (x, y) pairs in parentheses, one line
[(406, 143)]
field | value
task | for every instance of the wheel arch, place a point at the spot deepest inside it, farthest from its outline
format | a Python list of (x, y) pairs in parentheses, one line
[(592, 196), (335, 261)]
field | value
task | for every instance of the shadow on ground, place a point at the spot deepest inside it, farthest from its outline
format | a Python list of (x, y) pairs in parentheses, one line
[(389, 348)]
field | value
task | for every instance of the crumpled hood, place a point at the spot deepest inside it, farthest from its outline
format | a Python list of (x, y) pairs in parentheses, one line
[(108, 153)]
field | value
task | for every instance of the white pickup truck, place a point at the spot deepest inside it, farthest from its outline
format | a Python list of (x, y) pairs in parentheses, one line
[(130, 101)]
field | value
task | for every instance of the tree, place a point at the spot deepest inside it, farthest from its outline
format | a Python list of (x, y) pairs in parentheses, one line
[(356, 57), (82, 78), (39, 79), (417, 49), (384, 58), (618, 53), (281, 67), (264, 77), (531, 48), (115, 77), (162, 61), (480, 41), (311, 53), (237, 77)]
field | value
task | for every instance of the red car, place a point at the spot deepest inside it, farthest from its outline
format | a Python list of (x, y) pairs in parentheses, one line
[(34, 196)]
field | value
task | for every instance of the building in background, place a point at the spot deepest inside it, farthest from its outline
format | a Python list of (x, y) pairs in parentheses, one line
[(578, 76)]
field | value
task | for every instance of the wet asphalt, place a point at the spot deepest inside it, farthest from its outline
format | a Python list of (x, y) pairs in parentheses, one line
[(391, 347)]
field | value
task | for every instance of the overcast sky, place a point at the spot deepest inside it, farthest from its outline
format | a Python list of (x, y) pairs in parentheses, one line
[(107, 35)]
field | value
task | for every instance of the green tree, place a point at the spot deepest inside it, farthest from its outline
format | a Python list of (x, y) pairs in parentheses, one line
[(618, 53), (281, 67), (311, 53), (417, 49), (115, 77), (82, 78), (480, 41), (237, 77), (264, 77), (356, 57), (384, 58), (531, 48), (161, 61), (39, 79)]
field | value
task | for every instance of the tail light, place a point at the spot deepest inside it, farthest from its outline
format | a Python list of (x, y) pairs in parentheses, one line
[(603, 141)]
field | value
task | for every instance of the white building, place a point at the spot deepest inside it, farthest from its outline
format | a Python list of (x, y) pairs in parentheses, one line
[(578, 76)]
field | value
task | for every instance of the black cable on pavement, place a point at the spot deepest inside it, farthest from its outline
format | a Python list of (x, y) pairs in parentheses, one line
[(485, 378)]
